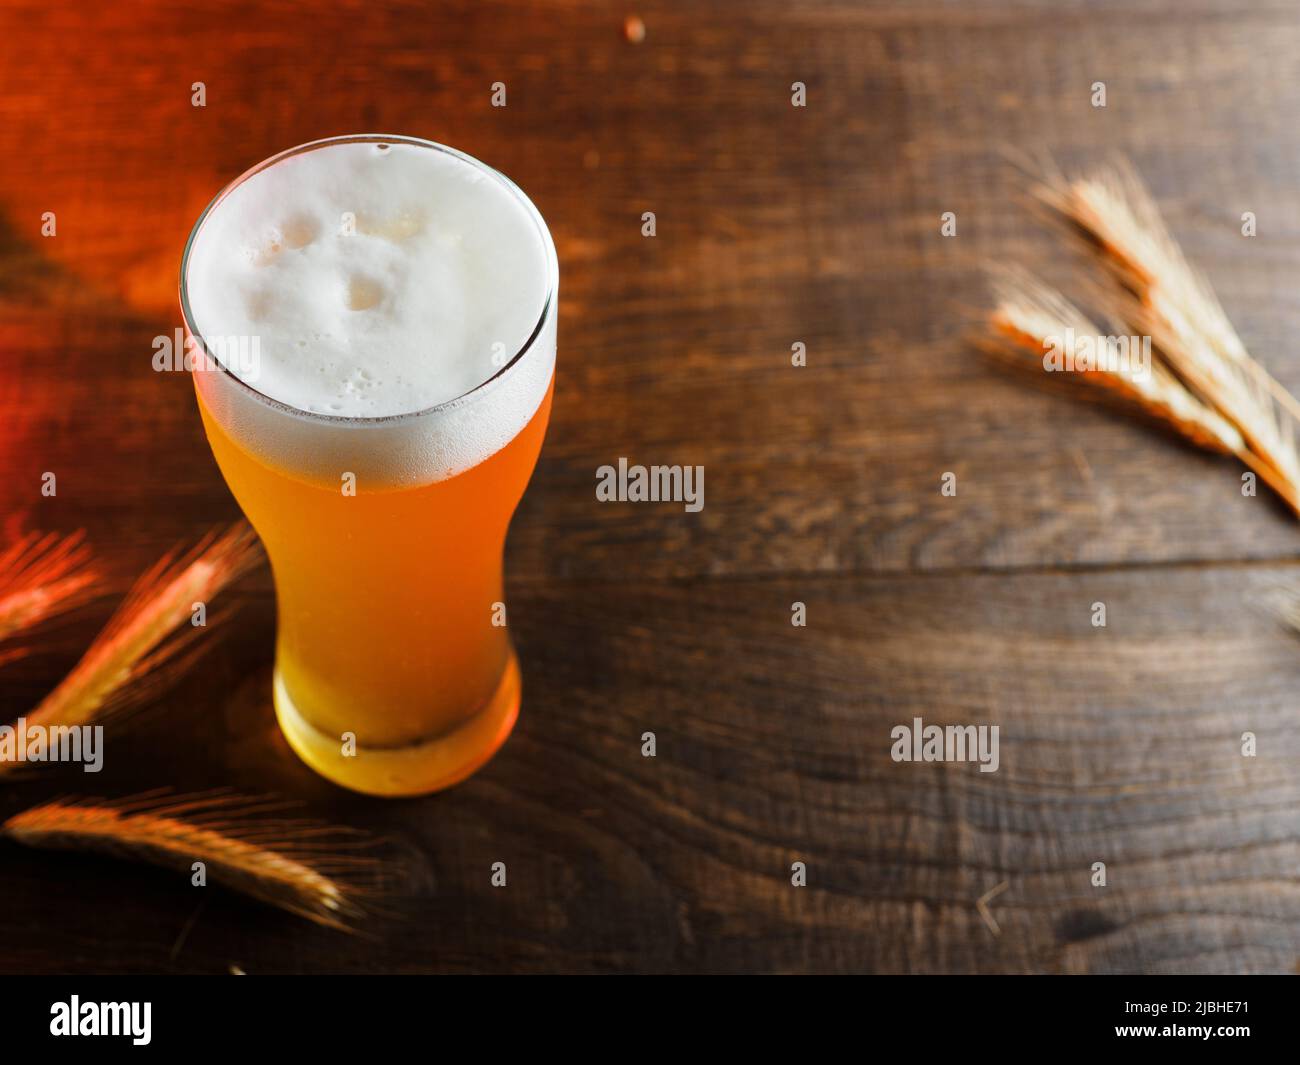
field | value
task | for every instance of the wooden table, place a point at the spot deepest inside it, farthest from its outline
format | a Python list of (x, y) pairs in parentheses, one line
[(775, 225)]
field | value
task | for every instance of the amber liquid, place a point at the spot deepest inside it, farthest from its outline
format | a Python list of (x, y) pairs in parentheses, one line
[(390, 630)]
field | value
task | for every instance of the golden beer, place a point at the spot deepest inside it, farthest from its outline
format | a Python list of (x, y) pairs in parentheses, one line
[(394, 669)]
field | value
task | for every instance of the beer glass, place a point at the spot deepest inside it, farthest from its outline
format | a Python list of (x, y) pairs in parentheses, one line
[(394, 669)]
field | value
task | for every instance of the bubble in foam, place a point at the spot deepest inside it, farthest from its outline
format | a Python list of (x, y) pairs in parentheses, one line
[(363, 293), (299, 231)]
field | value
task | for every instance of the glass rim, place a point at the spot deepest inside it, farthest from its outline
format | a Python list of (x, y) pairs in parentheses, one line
[(548, 304)]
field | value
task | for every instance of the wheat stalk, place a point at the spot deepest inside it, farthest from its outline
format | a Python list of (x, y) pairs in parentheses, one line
[(42, 575), (129, 659), (1205, 384), (1031, 316), (305, 867)]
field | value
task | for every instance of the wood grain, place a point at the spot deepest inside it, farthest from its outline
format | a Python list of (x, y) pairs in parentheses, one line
[(775, 225), (1119, 744)]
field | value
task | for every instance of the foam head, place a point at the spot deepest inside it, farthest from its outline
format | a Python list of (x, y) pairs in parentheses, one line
[(380, 278)]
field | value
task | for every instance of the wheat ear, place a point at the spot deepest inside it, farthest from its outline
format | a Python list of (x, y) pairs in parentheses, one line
[(305, 867), (1159, 293), (1031, 316), (122, 666), (42, 575)]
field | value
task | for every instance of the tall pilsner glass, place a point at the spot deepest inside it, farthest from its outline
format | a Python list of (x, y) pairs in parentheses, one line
[(376, 318)]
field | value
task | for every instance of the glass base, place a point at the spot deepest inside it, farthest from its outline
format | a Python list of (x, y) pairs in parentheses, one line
[(415, 769)]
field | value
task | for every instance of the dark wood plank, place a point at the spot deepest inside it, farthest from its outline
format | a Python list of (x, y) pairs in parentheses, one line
[(776, 224), (1119, 745)]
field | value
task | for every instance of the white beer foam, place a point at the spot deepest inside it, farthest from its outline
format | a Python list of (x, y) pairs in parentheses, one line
[(381, 278)]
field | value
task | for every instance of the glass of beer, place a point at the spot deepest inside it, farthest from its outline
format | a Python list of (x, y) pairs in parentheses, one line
[(373, 320)]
